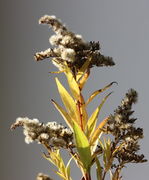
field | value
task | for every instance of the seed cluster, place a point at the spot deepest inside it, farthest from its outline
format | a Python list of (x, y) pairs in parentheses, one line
[(71, 48), (54, 134), (121, 126)]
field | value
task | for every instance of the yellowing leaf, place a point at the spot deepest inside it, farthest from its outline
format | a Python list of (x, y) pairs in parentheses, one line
[(68, 168), (64, 114), (56, 72), (94, 94), (83, 69), (77, 160), (68, 101), (98, 131), (56, 159), (91, 124), (84, 79), (107, 158), (98, 170), (83, 146), (61, 175), (74, 88)]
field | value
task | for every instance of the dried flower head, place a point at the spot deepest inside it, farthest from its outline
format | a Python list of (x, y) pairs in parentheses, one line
[(121, 126), (42, 176), (71, 48), (54, 134)]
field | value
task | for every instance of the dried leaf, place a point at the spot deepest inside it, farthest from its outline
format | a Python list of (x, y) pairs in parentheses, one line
[(94, 94)]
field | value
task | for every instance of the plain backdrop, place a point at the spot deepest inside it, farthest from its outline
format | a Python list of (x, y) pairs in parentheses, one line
[(26, 87)]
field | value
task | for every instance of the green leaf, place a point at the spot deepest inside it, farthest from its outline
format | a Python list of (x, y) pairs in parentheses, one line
[(83, 146)]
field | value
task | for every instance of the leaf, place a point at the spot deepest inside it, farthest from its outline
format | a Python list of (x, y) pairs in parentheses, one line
[(77, 160), (64, 114), (94, 94), (56, 159), (84, 79), (107, 158), (98, 170), (83, 69), (68, 168), (68, 101), (118, 148), (72, 83), (61, 175), (56, 72), (98, 131), (111, 175), (91, 124), (83, 146)]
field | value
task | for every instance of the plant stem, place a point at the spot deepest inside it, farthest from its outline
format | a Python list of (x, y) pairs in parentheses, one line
[(80, 113), (104, 174), (88, 176)]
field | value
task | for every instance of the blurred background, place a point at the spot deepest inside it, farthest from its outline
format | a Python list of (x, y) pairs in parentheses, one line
[(26, 87)]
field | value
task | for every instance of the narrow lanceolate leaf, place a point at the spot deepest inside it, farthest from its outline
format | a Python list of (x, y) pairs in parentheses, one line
[(107, 156), (68, 102), (68, 168), (98, 169), (61, 175), (98, 131), (56, 72), (94, 94), (56, 159), (83, 146), (84, 79), (91, 124), (64, 114), (74, 88), (77, 160), (83, 69)]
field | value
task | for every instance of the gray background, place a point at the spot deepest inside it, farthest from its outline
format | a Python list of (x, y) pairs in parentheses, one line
[(121, 26)]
